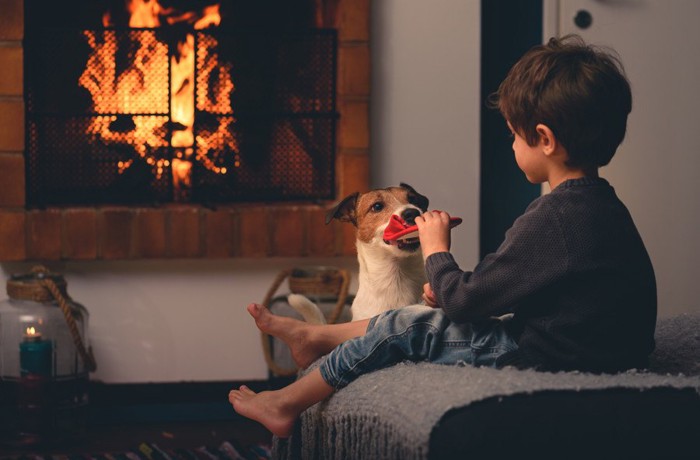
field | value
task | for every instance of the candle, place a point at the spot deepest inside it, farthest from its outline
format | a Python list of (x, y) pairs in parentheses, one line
[(35, 354)]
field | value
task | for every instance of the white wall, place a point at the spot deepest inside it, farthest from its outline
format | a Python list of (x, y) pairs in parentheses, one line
[(176, 320), (168, 321), (655, 169), (425, 99)]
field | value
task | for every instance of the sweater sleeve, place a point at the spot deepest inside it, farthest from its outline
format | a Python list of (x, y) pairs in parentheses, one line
[(532, 256)]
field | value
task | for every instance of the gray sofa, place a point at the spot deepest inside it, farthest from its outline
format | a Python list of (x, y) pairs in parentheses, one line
[(427, 411)]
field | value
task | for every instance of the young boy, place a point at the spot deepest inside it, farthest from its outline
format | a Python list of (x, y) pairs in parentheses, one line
[(573, 270)]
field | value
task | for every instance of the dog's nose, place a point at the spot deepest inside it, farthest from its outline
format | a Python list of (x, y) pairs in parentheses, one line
[(409, 215)]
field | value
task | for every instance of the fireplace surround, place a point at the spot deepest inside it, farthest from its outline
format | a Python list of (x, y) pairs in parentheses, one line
[(239, 227)]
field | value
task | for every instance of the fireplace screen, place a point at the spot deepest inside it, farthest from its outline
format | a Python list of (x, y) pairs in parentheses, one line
[(179, 114)]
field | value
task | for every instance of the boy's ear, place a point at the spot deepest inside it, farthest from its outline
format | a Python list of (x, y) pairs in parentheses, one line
[(547, 140)]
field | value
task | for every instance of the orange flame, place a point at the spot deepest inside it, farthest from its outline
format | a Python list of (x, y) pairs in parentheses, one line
[(134, 90)]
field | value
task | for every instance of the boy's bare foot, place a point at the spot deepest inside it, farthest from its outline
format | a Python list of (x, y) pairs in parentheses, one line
[(294, 333), (278, 410), (266, 407)]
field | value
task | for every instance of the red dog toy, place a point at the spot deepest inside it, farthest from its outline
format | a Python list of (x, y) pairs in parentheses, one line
[(399, 230)]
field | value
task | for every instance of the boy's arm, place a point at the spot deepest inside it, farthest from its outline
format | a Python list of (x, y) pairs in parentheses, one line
[(532, 256)]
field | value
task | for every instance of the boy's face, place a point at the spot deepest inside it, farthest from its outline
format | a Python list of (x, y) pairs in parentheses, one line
[(530, 159)]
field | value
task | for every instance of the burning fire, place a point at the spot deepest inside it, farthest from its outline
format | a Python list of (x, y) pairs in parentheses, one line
[(125, 98)]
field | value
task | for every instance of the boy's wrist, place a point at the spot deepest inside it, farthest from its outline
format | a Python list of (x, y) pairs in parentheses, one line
[(429, 251)]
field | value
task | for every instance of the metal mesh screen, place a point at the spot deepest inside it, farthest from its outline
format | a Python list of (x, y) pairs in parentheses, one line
[(104, 123)]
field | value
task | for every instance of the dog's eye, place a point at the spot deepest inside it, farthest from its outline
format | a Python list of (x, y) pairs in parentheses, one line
[(378, 206)]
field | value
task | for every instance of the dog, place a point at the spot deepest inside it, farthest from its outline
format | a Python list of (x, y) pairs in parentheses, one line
[(391, 273)]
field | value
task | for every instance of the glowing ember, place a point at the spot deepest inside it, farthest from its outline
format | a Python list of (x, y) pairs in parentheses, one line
[(120, 95)]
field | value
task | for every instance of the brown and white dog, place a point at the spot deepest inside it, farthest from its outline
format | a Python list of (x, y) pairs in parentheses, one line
[(391, 274)]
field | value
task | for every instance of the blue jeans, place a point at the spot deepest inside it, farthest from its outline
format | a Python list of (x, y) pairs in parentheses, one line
[(416, 333)]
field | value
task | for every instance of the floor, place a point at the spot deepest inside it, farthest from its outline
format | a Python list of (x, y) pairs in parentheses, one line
[(172, 416), (167, 435)]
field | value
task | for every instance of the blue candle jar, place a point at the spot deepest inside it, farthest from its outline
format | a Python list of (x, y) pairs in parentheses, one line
[(35, 354)]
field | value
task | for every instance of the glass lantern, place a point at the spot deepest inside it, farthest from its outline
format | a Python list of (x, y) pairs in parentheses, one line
[(45, 359)]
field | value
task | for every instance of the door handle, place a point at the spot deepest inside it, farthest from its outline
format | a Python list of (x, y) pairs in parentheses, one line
[(583, 19)]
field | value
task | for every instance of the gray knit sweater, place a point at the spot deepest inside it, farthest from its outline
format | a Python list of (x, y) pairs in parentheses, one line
[(574, 271)]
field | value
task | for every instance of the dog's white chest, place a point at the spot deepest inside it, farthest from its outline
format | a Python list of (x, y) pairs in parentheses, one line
[(386, 283)]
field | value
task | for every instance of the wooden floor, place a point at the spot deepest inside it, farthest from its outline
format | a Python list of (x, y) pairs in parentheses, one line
[(173, 416), (168, 435)]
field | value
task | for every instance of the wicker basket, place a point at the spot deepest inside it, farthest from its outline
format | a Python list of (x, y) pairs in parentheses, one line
[(315, 282)]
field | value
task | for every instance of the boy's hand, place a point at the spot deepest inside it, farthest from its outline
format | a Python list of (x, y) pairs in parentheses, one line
[(433, 232), (429, 296)]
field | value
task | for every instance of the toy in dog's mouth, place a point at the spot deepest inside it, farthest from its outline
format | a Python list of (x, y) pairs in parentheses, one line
[(405, 236)]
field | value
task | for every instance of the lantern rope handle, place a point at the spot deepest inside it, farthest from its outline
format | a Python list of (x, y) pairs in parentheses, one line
[(85, 354)]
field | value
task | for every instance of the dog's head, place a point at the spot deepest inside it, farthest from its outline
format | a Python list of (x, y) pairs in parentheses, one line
[(370, 212)]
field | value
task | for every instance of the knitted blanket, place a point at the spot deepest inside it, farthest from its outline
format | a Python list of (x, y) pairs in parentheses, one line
[(391, 413)]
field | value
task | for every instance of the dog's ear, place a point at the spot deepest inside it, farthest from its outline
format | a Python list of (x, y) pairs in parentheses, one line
[(416, 198), (345, 210)]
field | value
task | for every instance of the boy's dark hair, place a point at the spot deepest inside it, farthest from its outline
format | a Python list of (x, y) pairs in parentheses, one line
[(579, 91)]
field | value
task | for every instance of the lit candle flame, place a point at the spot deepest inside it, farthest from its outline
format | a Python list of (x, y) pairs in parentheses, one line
[(31, 331)]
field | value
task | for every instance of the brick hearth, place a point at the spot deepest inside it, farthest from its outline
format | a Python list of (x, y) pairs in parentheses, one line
[(184, 231)]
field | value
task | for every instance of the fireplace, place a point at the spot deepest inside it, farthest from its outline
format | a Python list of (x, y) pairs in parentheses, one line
[(115, 164), (166, 105)]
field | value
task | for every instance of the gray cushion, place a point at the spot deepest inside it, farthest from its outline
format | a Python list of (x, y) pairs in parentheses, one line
[(412, 411)]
